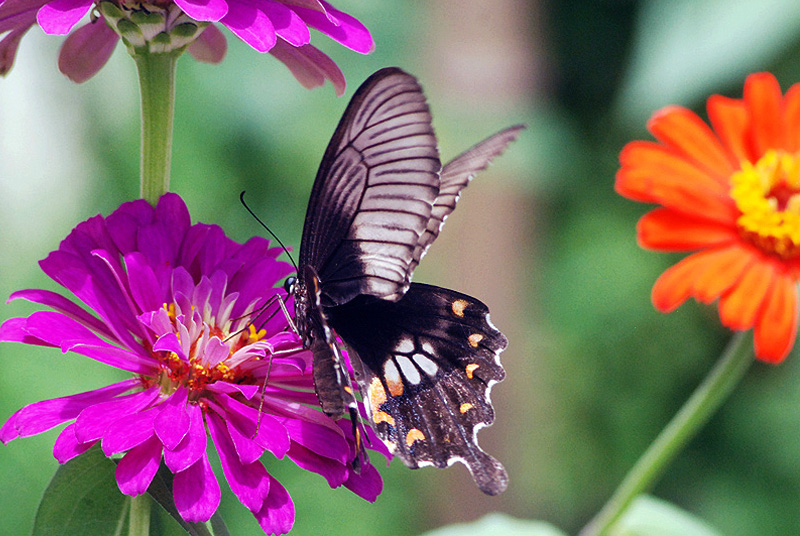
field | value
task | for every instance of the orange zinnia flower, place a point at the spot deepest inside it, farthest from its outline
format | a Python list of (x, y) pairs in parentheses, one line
[(733, 193)]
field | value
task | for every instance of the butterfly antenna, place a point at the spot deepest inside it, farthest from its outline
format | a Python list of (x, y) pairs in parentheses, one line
[(264, 225)]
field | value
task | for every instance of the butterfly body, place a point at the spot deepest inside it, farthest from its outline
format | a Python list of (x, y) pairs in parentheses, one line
[(424, 357)]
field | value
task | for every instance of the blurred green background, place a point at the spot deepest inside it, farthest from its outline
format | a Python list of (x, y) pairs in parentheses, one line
[(593, 371)]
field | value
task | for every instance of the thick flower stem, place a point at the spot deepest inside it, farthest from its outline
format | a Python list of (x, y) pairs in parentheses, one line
[(681, 429), (139, 516), (157, 84)]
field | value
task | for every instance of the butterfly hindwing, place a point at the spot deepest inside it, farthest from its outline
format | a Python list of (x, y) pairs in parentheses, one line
[(428, 364), (374, 192)]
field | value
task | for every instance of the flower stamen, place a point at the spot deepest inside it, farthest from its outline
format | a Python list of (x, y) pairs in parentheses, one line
[(768, 196)]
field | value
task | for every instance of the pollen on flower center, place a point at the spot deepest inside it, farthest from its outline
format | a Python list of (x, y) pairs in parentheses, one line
[(211, 349), (768, 196)]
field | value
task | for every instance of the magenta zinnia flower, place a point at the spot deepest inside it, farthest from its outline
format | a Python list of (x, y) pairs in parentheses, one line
[(182, 308), (280, 27)]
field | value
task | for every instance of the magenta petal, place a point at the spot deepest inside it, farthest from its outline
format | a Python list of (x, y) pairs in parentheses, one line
[(13, 330), (169, 343), (93, 422), (367, 485), (172, 423), (288, 24), (249, 482), (9, 430), (271, 432), (204, 10), (210, 47), (60, 16), (193, 445), (86, 50), (128, 432), (334, 472), (137, 468), (248, 391), (67, 445), (323, 440), (250, 25), (145, 287), (196, 492), (41, 416), (310, 66), (348, 32), (277, 514), (62, 305)]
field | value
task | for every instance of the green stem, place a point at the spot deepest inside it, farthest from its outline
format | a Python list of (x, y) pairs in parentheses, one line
[(157, 83), (139, 515), (681, 429)]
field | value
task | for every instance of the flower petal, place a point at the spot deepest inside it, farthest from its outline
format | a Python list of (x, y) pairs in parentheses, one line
[(249, 482), (310, 66), (62, 305), (334, 472), (763, 99), (250, 25), (791, 120), (8, 48), (776, 327), (46, 414), (252, 432), (210, 46), (58, 17), (675, 285), (367, 484), (739, 306), (86, 50), (128, 431), (93, 421), (67, 445), (666, 230), (684, 131), (173, 421), (340, 27), (137, 468), (288, 24), (277, 514), (193, 445), (724, 269), (729, 118), (204, 10), (196, 491)]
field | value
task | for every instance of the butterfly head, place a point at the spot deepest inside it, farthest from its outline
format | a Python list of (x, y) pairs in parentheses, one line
[(290, 284)]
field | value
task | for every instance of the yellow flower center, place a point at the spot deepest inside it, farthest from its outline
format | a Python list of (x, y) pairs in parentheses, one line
[(768, 196)]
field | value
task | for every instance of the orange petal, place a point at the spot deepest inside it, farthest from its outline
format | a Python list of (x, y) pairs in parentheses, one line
[(666, 230), (729, 119), (684, 131), (791, 118), (724, 271), (738, 307), (674, 286), (763, 98), (776, 329)]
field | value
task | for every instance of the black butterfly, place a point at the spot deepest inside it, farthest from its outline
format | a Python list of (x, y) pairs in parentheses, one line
[(425, 357)]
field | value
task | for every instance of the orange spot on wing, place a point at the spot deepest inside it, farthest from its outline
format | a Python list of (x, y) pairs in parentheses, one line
[(395, 387), (382, 416), (465, 407), (376, 394), (475, 339), (414, 435), (458, 307), (471, 368)]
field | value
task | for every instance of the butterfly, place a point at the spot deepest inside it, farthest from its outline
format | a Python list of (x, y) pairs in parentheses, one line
[(425, 358)]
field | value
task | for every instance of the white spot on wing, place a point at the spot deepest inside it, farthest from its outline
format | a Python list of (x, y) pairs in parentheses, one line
[(426, 364), (428, 348), (390, 373), (405, 346), (409, 370)]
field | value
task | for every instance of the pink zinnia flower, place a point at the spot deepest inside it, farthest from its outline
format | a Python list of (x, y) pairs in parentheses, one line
[(182, 308), (280, 27)]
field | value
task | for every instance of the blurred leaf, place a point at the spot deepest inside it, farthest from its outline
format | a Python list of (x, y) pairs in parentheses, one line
[(685, 49), (498, 525), (649, 516), (82, 499)]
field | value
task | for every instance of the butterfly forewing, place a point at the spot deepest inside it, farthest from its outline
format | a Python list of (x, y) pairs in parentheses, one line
[(428, 364), (374, 192)]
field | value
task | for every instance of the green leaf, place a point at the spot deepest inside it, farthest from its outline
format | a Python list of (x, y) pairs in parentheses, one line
[(498, 525), (82, 499), (649, 516)]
